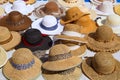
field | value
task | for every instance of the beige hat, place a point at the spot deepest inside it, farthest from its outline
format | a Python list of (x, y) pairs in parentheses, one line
[(9, 39), (101, 67), (3, 57), (60, 59), (103, 40), (23, 65)]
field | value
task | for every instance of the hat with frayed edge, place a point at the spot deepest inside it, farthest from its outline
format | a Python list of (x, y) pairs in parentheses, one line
[(9, 39), (15, 21), (103, 40), (60, 59), (48, 25), (3, 57), (101, 67), (26, 1), (34, 40), (23, 65)]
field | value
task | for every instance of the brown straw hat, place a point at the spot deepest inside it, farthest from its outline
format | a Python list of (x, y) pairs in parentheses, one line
[(72, 32), (101, 67), (15, 21), (60, 59), (9, 39), (103, 40), (23, 65)]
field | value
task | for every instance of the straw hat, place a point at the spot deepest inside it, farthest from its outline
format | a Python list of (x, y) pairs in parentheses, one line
[(101, 67), (60, 59), (48, 25), (20, 6), (3, 57), (72, 14), (2, 12), (9, 39), (3, 1), (15, 21), (23, 65), (50, 8), (71, 32), (116, 9), (34, 40), (103, 40), (26, 1)]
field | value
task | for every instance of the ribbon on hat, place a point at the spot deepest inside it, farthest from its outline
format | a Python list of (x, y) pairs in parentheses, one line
[(6, 41)]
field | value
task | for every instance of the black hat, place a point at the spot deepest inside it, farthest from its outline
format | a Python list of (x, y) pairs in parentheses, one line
[(34, 40)]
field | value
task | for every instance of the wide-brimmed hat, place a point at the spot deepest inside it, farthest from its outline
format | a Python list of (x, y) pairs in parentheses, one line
[(23, 65), (19, 6), (50, 8), (61, 59), (34, 40), (9, 39), (48, 25), (26, 1), (71, 32), (101, 67), (15, 21), (3, 57), (103, 40)]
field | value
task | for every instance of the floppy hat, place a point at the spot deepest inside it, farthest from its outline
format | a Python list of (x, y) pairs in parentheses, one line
[(48, 25), (50, 8), (3, 57), (15, 21), (26, 1), (19, 6), (72, 32), (2, 12), (103, 40), (9, 39), (23, 65), (34, 40), (60, 59), (101, 67)]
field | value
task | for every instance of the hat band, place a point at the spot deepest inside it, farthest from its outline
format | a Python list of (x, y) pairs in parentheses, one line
[(60, 57), (6, 41), (71, 1), (49, 28), (23, 66)]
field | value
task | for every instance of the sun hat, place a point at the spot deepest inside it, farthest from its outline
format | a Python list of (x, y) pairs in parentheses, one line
[(2, 12), (26, 1), (3, 57), (101, 67), (20, 6), (103, 40), (60, 59), (34, 40), (50, 8), (72, 14), (23, 65), (9, 39), (3, 1), (48, 25), (15, 21)]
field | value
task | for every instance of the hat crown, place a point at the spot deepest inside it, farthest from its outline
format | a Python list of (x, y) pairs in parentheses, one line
[(103, 62)]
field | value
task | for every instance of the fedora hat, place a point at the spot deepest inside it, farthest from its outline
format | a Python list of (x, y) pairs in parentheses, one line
[(3, 57), (103, 40), (26, 1), (23, 65), (48, 25), (9, 39), (20, 6), (34, 40), (101, 67), (71, 32), (15, 21), (50, 8), (60, 59)]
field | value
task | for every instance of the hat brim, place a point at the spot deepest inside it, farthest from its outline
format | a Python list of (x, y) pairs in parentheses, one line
[(16, 38), (64, 64), (11, 73), (27, 2), (93, 75), (72, 76), (3, 57), (25, 25), (36, 25)]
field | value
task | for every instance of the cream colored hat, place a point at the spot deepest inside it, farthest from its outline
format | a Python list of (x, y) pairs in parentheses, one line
[(23, 65), (9, 39)]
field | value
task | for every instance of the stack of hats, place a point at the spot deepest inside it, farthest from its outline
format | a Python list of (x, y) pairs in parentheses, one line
[(61, 65)]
